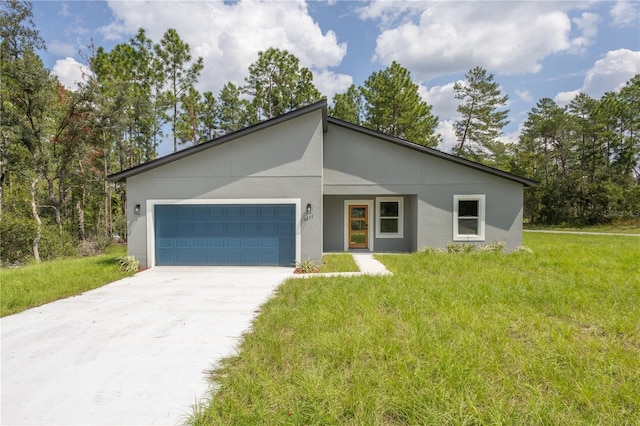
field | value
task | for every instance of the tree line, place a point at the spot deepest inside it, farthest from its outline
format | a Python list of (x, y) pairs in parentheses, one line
[(57, 145)]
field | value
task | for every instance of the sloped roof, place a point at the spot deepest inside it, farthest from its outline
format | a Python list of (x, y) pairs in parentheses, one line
[(321, 105), (124, 174), (434, 152)]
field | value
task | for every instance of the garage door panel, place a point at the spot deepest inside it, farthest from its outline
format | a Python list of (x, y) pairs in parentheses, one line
[(268, 211), (267, 228), (233, 227), (268, 243), (250, 243), (215, 242), (214, 228), (225, 234), (200, 243), (250, 211), (165, 243), (250, 227)]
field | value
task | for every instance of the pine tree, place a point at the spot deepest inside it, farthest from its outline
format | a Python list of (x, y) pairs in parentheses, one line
[(481, 123), (393, 106), (348, 106), (174, 57), (277, 84), (233, 112)]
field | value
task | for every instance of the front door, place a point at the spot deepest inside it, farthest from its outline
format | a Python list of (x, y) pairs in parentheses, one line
[(358, 226)]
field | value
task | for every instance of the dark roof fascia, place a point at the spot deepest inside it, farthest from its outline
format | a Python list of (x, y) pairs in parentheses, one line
[(124, 174), (435, 153)]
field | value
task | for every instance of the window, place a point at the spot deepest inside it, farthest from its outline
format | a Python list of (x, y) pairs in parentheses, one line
[(389, 217), (468, 217)]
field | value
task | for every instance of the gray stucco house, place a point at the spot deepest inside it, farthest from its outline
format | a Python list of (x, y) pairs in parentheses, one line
[(301, 184)]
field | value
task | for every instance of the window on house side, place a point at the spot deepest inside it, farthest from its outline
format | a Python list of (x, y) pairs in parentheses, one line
[(389, 217), (468, 217)]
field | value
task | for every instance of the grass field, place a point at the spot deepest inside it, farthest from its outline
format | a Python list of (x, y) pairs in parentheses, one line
[(619, 227), (551, 338), (34, 285), (338, 262)]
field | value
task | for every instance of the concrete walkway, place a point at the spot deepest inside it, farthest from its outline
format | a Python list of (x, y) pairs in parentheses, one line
[(369, 265), (134, 352)]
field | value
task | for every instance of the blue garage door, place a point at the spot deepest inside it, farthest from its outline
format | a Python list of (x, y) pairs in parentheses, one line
[(260, 234)]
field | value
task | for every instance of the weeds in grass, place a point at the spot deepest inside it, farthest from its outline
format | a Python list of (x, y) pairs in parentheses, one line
[(432, 250), (495, 247), (523, 249), (466, 248), (307, 266), (458, 248), (129, 264)]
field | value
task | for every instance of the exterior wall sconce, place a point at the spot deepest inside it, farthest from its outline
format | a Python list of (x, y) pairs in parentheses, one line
[(136, 210), (307, 213)]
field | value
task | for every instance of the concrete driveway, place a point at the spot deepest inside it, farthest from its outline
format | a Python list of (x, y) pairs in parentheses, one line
[(134, 352)]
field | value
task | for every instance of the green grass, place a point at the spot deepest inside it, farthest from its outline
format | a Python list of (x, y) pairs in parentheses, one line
[(338, 262), (620, 227), (36, 284), (551, 338)]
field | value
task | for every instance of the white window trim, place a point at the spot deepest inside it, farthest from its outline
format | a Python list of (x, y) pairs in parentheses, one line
[(151, 244), (400, 233), (369, 204), (480, 198)]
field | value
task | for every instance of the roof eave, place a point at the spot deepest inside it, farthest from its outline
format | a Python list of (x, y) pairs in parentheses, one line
[(124, 174), (443, 155)]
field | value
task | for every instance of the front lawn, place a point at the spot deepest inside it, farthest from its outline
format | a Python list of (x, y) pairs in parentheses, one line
[(36, 284), (631, 226), (551, 337), (338, 262)]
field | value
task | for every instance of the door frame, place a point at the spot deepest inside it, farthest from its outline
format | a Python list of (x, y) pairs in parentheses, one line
[(150, 216), (369, 204)]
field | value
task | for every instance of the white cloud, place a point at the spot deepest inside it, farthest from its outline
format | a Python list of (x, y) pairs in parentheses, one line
[(525, 95), (70, 72), (449, 139), (65, 10), (391, 13), (442, 99), (229, 36), (330, 83), (625, 13), (587, 23), (503, 37), (608, 74)]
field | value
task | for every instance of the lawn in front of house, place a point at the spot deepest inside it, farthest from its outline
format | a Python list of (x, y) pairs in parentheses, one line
[(630, 226), (39, 283), (338, 262), (551, 337)]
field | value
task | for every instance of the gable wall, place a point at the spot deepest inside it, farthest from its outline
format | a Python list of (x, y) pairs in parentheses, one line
[(358, 164), (280, 162)]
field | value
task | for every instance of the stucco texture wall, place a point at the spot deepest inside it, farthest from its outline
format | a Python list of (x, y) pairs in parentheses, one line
[(283, 161), (359, 164)]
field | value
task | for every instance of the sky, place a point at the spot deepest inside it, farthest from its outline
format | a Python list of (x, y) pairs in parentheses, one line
[(534, 49)]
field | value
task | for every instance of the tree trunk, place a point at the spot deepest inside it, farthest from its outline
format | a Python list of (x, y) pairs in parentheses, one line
[(4, 143), (54, 203), (80, 210), (80, 205), (36, 218)]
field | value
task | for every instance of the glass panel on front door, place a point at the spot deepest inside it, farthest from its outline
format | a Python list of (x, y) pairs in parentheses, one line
[(358, 227)]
